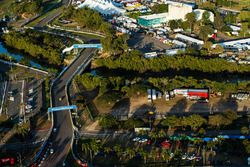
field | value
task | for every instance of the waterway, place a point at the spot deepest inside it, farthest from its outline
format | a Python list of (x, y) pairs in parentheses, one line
[(18, 57)]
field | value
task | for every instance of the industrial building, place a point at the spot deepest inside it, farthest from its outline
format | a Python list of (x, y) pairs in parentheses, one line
[(189, 39), (154, 20), (235, 45), (176, 11)]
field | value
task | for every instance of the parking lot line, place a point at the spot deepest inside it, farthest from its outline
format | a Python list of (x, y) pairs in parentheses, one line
[(4, 92)]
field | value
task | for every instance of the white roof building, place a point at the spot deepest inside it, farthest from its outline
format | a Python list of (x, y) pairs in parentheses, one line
[(189, 39), (199, 13), (105, 7)]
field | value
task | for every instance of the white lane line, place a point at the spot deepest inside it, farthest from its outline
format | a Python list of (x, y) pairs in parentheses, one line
[(4, 92)]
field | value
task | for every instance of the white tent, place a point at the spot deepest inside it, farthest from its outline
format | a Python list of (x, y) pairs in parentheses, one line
[(105, 7)]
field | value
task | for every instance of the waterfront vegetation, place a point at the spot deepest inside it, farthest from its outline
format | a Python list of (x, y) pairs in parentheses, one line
[(136, 62), (42, 47)]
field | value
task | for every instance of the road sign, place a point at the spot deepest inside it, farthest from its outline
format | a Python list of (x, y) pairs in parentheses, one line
[(53, 109), (76, 46)]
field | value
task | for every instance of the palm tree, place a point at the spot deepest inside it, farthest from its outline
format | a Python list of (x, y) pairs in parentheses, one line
[(153, 135), (94, 148), (130, 152), (118, 151), (86, 147), (162, 133), (144, 155), (165, 155), (106, 150), (23, 129), (153, 154)]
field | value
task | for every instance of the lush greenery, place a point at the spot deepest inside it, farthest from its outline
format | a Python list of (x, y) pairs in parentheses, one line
[(87, 18), (115, 44), (27, 6), (41, 46), (108, 121), (159, 8), (165, 83), (136, 62)]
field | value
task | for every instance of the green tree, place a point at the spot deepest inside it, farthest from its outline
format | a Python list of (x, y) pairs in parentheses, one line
[(244, 15), (159, 8), (218, 22), (132, 123), (205, 18), (230, 18), (246, 144), (173, 24), (216, 120), (231, 115), (107, 121), (244, 130), (165, 155), (130, 152), (244, 29), (217, 50), (22, 130), (205, 31), (191, 19), (194, 121), (171, 122)]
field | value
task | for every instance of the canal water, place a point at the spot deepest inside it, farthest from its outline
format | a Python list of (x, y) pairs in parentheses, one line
[(18, 57)]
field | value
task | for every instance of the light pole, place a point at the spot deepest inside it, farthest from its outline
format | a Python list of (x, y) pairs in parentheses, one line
[(20, 158)]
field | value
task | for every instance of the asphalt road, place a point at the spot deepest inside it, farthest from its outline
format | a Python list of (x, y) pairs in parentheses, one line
[(62, 138), (50, 17)]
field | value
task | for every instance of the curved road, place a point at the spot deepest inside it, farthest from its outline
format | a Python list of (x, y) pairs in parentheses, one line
[(62, 138)]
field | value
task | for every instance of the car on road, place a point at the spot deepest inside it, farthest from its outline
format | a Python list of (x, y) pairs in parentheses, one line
[(136, 139), (51, 151), (28, 106), (54, 130), (143, 140)]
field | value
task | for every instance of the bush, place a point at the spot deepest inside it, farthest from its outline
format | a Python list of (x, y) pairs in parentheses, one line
[(109, 98), (107, 121)]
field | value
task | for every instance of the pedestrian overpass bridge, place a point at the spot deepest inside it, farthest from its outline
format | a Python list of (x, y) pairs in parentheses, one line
[(82, 46)]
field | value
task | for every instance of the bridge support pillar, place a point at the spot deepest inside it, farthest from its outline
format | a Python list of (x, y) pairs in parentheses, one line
[(75, 51)]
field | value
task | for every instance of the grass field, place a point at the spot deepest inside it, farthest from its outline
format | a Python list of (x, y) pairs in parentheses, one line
[(4, 7)]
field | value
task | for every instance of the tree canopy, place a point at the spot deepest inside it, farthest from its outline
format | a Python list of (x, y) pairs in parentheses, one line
[(136, 62)]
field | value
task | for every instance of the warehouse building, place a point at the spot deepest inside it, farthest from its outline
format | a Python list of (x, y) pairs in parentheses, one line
[(176, 11)]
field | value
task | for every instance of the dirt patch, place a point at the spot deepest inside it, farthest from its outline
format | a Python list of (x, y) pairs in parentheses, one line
[(93, 126)]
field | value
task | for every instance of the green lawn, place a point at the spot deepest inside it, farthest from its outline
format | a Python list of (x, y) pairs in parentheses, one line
[(4, 7)]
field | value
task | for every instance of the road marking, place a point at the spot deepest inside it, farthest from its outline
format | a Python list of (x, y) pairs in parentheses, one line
[(4, 92)]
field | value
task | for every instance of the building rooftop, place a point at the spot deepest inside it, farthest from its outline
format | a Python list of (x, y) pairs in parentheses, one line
[(154, 16)]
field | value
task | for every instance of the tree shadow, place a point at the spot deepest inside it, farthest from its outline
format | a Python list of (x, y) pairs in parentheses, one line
[(223, 105), (121, 109), (179, 107), (142, 110), (199, 108)]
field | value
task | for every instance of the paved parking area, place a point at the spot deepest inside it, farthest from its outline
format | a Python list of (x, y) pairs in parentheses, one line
[(146, 43), (3, 86), (13, 98), (33, 97)]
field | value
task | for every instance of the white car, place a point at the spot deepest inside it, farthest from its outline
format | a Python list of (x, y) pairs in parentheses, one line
[(136, 139), (54, 130), (143, 140), (51, 151), (28, 106), (28, 110)]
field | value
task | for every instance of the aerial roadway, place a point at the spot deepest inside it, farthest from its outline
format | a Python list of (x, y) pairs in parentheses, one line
[(51, 16), (62, 134)]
